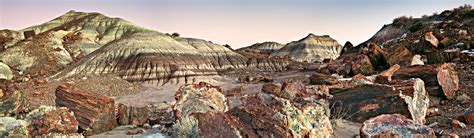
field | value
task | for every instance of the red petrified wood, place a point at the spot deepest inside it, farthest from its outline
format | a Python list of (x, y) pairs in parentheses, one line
[(95, 113)]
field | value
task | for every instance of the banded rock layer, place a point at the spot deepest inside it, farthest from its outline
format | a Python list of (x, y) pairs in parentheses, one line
[(265, 47), (78, 43), (312, 48)]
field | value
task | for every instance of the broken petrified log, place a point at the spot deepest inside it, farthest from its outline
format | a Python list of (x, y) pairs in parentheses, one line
[(469, 116), (95, 113), (132, 115), (48, 120), (439, 79), (394, 125), (200, 98), (322, 79), (385, 77), (272, 116), (361, 102), (398, 54)]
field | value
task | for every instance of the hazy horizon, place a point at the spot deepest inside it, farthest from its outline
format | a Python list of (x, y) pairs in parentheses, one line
[(237, 23)]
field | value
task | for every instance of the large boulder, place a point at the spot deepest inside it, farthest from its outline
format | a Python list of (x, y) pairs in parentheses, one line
[(394, 125), (47, 120), (5, 72), (199, 98), (95, 113), (271, 116)]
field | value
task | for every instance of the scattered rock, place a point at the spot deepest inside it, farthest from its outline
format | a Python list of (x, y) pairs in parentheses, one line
[(469, 116), (416, 60), (394, 125), (47, 120), (432, 39), (463, 98), (135, 131), (40, 81), (458, 124), (95, 113), (432, 112)]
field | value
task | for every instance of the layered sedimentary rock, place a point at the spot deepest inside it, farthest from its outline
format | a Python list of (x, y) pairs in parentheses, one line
[(47, 120), (312, 48), (133, 52), (264, 48), (394, 125), (95, 113), (61, 41)]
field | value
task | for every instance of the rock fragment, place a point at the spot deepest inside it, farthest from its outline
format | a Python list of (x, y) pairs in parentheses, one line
[(47, 120), (394, 125)]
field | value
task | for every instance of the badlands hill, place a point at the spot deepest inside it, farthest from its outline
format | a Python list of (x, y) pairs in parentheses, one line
[(265, 47), (91, 43), (312, 48)]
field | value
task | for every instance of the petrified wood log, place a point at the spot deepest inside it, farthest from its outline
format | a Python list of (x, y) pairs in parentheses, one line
[(132, 115), (394, 125), (95, 113), (439, 79), (385, 77), (322, 79), (398, 54), (361, 102)]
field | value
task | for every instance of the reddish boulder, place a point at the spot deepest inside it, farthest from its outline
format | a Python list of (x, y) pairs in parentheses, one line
[(432, 39), (95, 113), (362, 65), (394, 125)]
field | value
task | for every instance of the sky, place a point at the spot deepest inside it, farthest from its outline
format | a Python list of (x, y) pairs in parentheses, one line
[(238, 23)]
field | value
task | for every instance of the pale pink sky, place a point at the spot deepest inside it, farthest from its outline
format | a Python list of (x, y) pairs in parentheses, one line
[(236, 22)]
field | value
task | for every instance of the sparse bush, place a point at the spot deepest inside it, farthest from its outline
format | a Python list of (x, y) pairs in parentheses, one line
[(174, 35)]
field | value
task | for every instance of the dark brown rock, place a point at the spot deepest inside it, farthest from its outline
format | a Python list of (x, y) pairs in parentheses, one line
[(394, 125), (222, 125), (322, 79), (469, 116), (95, 113)]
